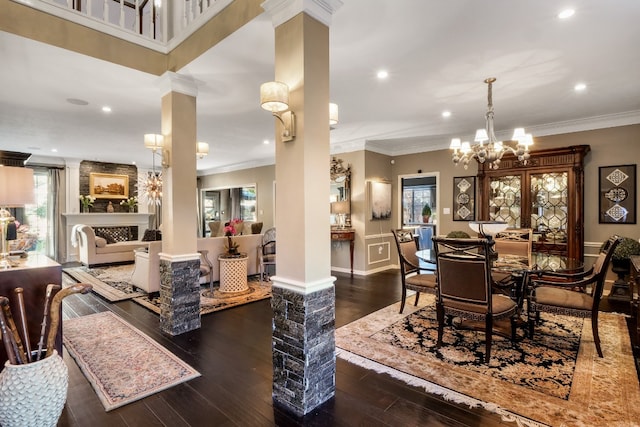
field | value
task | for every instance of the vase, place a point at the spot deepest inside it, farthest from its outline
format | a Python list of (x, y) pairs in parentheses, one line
[(33, 394), (132, 209), (231, 248), (85, 209), (110, 208)]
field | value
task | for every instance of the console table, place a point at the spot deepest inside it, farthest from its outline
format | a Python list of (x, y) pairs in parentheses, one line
[(33, 274), (233, 273), (345, 234), (635, 293)]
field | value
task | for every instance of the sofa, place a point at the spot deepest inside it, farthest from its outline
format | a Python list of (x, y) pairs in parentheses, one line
[(146, 274), (94, 250)]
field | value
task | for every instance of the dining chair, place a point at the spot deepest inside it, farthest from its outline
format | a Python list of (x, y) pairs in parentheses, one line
[(464, 290), (576, 294), (511, 245), (414, 276), (206, 267), (267, 252)]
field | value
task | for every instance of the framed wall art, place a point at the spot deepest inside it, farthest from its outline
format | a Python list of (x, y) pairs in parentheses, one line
[(108, 186), (464, 198), (380, 200), (617, 197)]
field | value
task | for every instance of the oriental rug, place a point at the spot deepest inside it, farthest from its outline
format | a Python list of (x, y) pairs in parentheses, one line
[(121, 363), (554, 379), (111, 282)]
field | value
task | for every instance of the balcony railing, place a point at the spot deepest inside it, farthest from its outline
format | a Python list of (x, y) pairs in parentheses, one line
[(157, 24)]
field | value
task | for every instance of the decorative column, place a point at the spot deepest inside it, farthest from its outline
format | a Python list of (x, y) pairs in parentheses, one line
[(303, 298), (179, 259)]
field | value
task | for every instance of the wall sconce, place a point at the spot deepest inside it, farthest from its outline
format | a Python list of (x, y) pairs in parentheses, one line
[(274, 97), (202, 149), (333, 114), (155, 142)]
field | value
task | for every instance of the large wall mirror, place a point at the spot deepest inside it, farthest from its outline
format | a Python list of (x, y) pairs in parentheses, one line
[(340, 194), (224, 204)]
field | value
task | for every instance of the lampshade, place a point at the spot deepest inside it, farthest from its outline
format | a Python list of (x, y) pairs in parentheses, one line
[(153, 141), (333, 113), (488, 228), (274, 96), (202, 149), (16, 187), (342, 207)]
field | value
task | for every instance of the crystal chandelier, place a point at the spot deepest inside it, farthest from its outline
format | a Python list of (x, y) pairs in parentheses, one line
[(488, 148)]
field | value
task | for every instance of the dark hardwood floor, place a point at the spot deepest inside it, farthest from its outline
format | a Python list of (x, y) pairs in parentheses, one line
[(232, 351)]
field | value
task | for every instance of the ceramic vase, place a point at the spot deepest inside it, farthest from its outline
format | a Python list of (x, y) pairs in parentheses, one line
[(33, 394)]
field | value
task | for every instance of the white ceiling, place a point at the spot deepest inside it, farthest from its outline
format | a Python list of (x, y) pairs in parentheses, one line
[(437, 53)]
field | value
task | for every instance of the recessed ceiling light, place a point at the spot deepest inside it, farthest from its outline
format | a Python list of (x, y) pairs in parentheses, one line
[(265, 142), (54, 150), (567, 13), (579, 87), (446, 114), (106, 109), (383, 74), (76, 101)]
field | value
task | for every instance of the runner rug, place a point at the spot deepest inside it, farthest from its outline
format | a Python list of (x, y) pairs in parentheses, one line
[(121, 363), (111, 282), (554, 379)]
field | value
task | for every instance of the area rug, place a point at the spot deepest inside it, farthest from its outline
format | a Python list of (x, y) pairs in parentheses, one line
[(112, 282), (257, 291), (556, 379), (121, 363)]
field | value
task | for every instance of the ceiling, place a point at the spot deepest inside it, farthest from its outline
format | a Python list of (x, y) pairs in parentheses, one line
[(437, 54)]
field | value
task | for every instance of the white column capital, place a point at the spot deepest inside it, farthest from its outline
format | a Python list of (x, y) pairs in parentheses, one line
[(283, 10), (174, 82)]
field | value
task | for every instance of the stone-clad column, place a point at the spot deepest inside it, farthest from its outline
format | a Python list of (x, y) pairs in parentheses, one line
[(303, 299), (179, 259)]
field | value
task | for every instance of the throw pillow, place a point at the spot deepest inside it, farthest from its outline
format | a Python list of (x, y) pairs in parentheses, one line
[(101, 242), (151, 235), (108, 237)]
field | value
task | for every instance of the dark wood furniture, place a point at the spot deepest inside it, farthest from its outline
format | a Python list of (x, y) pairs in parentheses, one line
[(33, 274), (345, 234), (635, 294), (545, 195)]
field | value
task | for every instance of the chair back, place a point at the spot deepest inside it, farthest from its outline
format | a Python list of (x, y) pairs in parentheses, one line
[(214, 226), (464, 272), (601, 266), (515, 241), (269, 242), (407, 245)]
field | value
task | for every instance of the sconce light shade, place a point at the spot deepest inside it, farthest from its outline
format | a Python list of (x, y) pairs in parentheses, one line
[(274, 96), (16, 187), (202, 149), (153, 141), (333, 114)]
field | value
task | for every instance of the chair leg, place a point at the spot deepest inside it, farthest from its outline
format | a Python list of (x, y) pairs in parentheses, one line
[(596, 336), (488, 335), (417, 297), (513, 328), (440, 316), (404, 297)]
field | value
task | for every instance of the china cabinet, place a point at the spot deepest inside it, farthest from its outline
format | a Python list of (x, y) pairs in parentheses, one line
[(546, 195)]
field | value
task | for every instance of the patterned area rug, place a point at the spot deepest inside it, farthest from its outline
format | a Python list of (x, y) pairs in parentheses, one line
[(121, 363), (556, 379), (112, 282), (208, 304)]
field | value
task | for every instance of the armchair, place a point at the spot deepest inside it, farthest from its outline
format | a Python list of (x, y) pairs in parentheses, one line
[(411, 272), (267, 252), (464, 287), (575, 294)]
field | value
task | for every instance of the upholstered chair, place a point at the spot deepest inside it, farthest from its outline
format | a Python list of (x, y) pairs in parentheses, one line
[(414, 276), (214, 227), (577, 294), (267, 252), (465, 287)]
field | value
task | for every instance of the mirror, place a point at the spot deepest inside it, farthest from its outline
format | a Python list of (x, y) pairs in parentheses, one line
[(225, 204), (340, 193)]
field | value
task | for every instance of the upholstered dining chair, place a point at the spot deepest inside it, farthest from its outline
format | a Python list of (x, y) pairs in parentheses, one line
[(576, 294), (414, 276), (512, 243), (465, 287), (214, 227), (267, 252), (206, 267)]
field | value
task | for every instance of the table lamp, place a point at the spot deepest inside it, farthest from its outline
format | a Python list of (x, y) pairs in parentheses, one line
[(16, 190), (341, 209)]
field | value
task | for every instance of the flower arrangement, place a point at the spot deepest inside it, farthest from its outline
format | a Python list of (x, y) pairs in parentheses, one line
[(131, 202), (230, 230), (86, 202)]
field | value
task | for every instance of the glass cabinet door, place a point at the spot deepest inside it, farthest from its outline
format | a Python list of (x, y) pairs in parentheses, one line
[(549, 206), (505, 198)]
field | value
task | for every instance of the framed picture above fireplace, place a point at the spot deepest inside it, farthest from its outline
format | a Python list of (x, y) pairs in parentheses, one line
[(108, 186)]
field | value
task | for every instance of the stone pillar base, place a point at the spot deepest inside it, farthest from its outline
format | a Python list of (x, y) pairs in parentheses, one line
[(304, 363), (179, 296)]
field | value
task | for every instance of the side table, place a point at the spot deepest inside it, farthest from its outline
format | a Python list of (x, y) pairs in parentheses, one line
[(233, 273), (345, 234)]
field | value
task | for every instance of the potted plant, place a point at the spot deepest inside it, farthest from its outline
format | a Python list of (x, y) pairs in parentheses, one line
[(426, 212), (620, 258)]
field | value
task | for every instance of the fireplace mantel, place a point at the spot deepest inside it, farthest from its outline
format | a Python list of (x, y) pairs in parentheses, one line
[(140, 220)]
